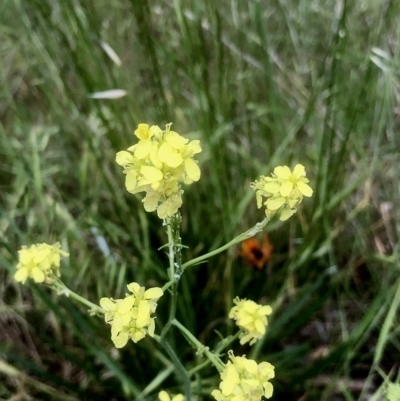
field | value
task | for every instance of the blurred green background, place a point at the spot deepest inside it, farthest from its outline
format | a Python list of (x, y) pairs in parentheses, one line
[(261, 84)]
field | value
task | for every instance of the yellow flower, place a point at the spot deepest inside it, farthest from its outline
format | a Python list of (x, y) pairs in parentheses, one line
[(164, 396), (157, 165), (244, 380), (393, 392), (284, 190), (39, 262), (130, 318), (251, 319)]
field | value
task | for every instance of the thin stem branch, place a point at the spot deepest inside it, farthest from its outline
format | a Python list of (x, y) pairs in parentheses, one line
[(183, 374), (199, 346), (247, 234), (224, 344), (62, 289)]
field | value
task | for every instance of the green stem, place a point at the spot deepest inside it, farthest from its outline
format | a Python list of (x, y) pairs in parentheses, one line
[(169, 284), (171, 255), (224, 343), (247, 234), (197, 344), (175, 266), (183, 374), (62, 289)]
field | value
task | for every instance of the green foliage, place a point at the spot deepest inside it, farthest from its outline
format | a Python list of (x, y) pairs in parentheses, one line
[(260, 84)]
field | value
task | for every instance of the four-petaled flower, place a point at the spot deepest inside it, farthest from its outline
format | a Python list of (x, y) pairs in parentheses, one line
[(157, 164), (130, 318), (284, 190), (251, 319), (245, 380), (39, 262)]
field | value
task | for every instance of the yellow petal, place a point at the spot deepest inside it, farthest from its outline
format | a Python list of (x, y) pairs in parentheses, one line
[(169, 207), (258, 199), (299, 171), (192, 169), (143, 313), (286, 214), (155, 130), (126, 304), (265, 310), (266, 370), (272, 187), (163, 396), (131, 180), (275, 203), (230, 381), (150, 202), (120, 340), (175, 140), (260, 327), (286, 188), (142, 131), (134, 288), (168, 155), (143, 148), (107, 304), (153, 293), (21, 275), (137, 335), (38, 275), (245, 339), (25, 256), (178, 397), (151, 174), (250, 366), (282, 172), (123, 158), (217, 395), (304, 189), (194, 146), (246, 320), (151, 328), (121, 321), (154, 156), (268, 389)]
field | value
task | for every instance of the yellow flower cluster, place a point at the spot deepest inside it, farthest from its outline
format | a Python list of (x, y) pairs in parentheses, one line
[(157, 164), (164, 396), (130, 318), (251, 319), (39, 262), (244, 380), (284, 190)]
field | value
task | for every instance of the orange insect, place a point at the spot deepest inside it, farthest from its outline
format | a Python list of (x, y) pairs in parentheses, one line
[(256, 254)]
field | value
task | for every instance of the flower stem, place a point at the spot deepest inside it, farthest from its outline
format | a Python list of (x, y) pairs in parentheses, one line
[(224, 344), (175, 265), (62, 289), (198, 345), (247, 234), (183, 374), (169, 283)]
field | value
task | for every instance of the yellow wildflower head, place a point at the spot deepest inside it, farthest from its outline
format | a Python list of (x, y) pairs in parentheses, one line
[(164, 396), (130, 318), (284, 190), (251, 318), (157, 165), (39, 262), (245, 380)]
